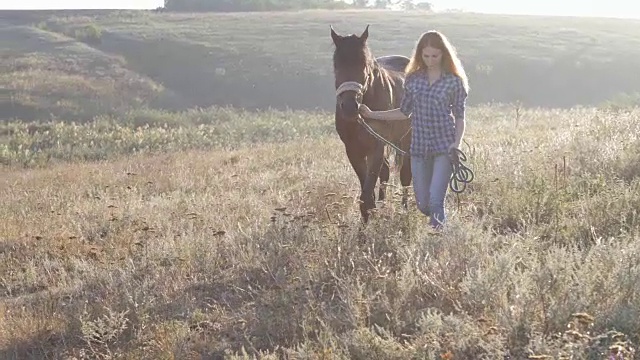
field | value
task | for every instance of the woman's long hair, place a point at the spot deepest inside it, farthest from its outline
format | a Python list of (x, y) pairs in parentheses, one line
[(450, 60)]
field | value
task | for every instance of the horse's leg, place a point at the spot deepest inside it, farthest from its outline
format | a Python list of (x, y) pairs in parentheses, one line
[(357, 160), (374, 163), (405, 179), (384, 179)]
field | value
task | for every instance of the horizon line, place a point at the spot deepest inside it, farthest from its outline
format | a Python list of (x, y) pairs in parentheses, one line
[(443, 11)]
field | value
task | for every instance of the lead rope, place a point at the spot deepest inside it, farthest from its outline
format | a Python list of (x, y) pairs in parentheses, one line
[(461, 174), (380, 137)]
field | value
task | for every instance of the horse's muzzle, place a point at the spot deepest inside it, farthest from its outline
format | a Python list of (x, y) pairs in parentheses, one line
[(350, 109)]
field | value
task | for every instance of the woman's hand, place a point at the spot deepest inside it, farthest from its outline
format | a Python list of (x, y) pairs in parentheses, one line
[(453, 153), (364, 110)]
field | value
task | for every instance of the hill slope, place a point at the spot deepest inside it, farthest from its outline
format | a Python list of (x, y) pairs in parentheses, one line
[(285, 58), (260, 60), (45, 74)]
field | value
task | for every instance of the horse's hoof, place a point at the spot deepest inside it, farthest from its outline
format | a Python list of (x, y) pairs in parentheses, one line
[(362, 238), (364, 218)]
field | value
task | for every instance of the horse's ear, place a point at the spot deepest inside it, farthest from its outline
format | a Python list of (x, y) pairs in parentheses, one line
[(336, 38), (365, 34)]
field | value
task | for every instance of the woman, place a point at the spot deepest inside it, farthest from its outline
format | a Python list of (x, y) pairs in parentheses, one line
[(435, 92)]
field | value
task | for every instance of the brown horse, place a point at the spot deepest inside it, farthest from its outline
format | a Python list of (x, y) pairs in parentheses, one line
[(378, 83)]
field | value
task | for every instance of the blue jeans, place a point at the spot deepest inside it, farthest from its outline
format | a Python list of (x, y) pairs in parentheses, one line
[(431, 175)]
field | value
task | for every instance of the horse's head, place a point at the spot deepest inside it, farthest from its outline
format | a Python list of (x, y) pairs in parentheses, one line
[(352, 63)]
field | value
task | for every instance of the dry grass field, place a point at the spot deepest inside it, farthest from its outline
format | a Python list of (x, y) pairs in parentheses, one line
[(136, 225), (192, 254)]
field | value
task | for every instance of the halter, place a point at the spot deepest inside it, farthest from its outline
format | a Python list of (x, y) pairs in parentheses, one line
[(350, 86)]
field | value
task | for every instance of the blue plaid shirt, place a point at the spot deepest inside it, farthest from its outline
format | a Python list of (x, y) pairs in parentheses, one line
[(433, 109)]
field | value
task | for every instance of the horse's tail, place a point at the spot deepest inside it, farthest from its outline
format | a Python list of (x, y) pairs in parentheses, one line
[(398, 158), (398, 161)]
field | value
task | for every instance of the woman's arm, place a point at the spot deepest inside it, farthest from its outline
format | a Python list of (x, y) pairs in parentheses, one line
[(460, 125), (385, 115), (459, 107), (401, 113)]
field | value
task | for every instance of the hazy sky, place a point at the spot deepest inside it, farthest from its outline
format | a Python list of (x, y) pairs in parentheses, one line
[(610, 8)]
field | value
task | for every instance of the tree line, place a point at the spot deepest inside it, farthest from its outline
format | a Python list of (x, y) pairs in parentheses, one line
[(281, 5)]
